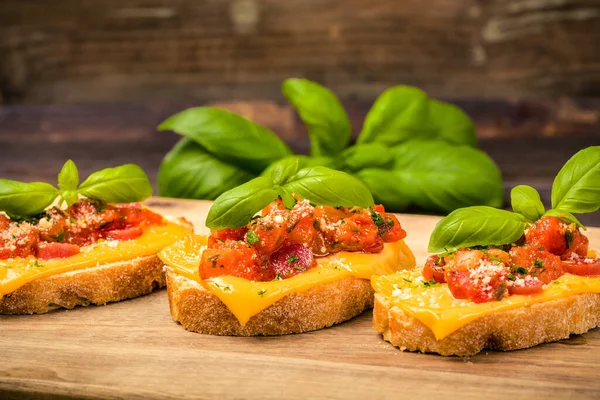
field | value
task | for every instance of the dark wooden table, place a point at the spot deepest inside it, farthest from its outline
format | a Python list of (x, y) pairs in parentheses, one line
[(36, 140)]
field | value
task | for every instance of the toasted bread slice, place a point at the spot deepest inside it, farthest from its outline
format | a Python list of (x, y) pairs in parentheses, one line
[(200, 311), (96, 285), (506, 330)]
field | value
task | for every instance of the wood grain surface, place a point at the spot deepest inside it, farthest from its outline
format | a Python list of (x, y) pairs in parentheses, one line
[(73, 51), (133, 350)]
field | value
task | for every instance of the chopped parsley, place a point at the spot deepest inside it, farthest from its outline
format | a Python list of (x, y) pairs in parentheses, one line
[(36, 263), (438, 261), (377, 218), (430, 283), (277, 276), (556, 283), (407, 280), (519, 270), (251, 237), (495, 259), (299, 268), (262, 292), (538, 263), (511, 277), (292, 258), (60, 237)]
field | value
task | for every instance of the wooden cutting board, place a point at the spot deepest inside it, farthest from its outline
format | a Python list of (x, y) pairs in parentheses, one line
[(133, 349)]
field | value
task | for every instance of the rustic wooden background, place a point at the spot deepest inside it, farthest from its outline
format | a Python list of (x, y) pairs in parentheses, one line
[(72, 51)]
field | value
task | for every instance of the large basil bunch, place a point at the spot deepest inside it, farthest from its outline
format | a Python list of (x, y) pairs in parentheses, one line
[(413, 151)]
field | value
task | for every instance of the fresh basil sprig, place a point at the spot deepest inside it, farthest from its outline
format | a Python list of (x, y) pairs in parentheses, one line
[(526, 201), (125, 184), (319, 185), (472, 226), (322, 112), (576, 189), (413, 151)]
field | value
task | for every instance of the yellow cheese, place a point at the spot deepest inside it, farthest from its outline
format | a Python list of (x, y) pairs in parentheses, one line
[(14, 273), (247, 298), (436, 307)]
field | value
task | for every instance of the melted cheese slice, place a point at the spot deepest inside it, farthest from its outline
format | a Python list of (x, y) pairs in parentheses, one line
[(436, 307), (246, 298), (16, 272)]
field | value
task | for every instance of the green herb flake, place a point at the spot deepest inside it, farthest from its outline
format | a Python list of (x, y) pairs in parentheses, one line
[(292, 258), (495, 259), (277, 276), (36, 263), (262, 292), (556, 283), (407, 280), (60, 237), (538, 263), (519, 270), (569, 238), (377, 218), (511, 277), (299, 268), (251, 237), (430, 283)]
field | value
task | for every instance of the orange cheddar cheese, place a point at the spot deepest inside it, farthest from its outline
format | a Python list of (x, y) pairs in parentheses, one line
[(246, 298), (434, 305), (16, 272)]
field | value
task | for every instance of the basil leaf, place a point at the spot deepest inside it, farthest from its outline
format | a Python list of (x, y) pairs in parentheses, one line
[(304, 162), (576, 188), (68, 177), (325, 117), (189, 171), (236, 207), (436, 175), (124, 184), (324, 186), (565, 216), (387, 188), (476, 226), (452, 124), (288, 198), (229, 137), (283, 169), (21, 199), (368, 155), (400, 113), (526, 201)]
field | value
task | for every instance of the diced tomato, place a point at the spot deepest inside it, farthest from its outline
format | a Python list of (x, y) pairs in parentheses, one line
[(4, 222), (358, 233), (548, 233), (135, 214), (583, 266), (270, 237), (541, 264), (229, 234), (291, 259), (529, 287), (274, 206), (303, 230), (46, 251), (234, 258), (390, 230), (577, 244), (434, 269), (124, 234), (25, 243), (472, 275)]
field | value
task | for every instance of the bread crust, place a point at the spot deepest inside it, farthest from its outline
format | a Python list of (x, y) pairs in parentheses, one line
[(198, 310), (96, 285), (506, 330)]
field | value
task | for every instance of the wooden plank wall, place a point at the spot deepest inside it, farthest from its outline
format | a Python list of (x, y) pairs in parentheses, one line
[(161, 51)]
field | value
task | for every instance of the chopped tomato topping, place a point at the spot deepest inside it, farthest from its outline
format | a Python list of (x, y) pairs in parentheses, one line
[(583, 266), (304, 231), (539, 264), (473, 275), (553, 235), (50, 250), (54, 233), (434, 269), (232, 258), (526, 287)]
